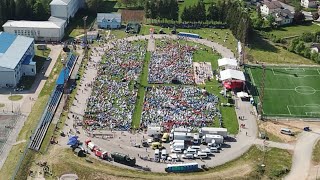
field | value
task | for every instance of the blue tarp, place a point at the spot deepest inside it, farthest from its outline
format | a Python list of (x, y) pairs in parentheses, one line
[(63, 76), (73, 140)]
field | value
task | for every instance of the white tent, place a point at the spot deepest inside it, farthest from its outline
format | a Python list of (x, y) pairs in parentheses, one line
[(232, 74), (228, 63), (242, 94)]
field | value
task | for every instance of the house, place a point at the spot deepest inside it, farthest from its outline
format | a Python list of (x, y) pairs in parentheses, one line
[(269, 7), (309, 3), (315, 48), (16, 58), (282, 17), (109, 20)]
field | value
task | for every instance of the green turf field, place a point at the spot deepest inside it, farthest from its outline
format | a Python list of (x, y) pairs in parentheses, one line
[(289, 91)]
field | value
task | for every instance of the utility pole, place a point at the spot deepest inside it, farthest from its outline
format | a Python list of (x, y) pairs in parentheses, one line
[(261, 93)]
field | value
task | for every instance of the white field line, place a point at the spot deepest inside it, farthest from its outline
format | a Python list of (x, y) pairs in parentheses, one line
[(289, 109), (318, 71), (252, 77)]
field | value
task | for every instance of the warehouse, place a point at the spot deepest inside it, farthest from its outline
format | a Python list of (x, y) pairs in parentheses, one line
[(39, 30), (109, 20), (65, 9), (16, 55)]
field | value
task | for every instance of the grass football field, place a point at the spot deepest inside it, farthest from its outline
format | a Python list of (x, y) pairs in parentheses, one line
[(289, 91)]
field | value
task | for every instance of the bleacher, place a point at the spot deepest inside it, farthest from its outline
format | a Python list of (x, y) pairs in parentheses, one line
[(52, 104)]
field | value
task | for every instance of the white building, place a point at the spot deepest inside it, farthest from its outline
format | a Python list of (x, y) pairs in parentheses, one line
[(16, 54), (65, 9), (269, 7), (282, 17), (52, 30), (309, 3)]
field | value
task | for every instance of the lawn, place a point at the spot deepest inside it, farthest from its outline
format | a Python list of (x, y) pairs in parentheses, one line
[(15, 97), (316, 153), (277, 162), (262, 50), (289, 91), (295, 30), (141, 92)]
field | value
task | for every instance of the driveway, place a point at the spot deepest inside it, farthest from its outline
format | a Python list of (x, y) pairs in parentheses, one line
[(302, 155)]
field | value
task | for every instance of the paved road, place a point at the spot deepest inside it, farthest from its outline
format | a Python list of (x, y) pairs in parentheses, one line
[(302, 155)]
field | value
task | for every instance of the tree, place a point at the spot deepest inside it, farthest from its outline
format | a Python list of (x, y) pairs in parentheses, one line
[(307, 53), (174, 10), (315, 15), (39, 11), (271, 20), (94, 5), (293, 44), (201, 9), (314, 56), (184, 15), (298, 17), (147, 9), (21, 9), (300, 47), (213, 13)]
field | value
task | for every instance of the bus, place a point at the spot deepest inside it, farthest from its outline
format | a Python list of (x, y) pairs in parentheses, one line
[(188, 167), (190, 35)]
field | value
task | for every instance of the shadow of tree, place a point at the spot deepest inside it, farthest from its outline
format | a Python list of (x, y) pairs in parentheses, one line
[(257, 42)]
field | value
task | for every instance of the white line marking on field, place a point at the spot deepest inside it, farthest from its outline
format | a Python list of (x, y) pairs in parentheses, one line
[(252, 77), (318, 71), (289, 109)]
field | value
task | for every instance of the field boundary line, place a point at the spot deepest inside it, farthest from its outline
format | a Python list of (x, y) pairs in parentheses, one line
[(289, 109), (252, 77), (290, 69), (318, 71), (275, 89)]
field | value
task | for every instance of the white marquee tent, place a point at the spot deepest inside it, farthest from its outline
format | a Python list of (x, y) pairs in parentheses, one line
[(228, 63), (230, 74)]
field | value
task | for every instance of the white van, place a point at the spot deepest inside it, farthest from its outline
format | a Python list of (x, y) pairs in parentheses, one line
[(157, 153), (286, 131), (201, 155), (195, 147), (164, 154), (190, 151)]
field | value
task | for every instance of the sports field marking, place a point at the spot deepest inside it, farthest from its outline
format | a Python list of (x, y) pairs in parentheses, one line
[(289, 110), (305, 90), (312, 113), (294, 69), (252, 77), (299, 76)]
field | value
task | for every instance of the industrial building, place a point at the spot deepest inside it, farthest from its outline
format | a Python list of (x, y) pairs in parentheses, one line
[(16, 55), (51, 30), (65, 9)]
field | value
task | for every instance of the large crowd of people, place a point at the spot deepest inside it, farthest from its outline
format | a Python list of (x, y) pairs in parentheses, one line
[(114, 92), (182, 105), (171, 63)]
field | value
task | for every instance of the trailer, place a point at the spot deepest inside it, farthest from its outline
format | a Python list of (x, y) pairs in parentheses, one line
[(154, 131), (212, 130), (180, 129), (179, 145), (218, 139), (181, 136), (123, 159), (187, 167)]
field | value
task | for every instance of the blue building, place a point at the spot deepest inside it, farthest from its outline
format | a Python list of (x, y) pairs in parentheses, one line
[(109, 20), (16, 55)]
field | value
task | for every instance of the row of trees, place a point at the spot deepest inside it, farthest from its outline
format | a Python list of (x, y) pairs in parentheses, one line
[(24, 9), (162, 10), (297, 46)]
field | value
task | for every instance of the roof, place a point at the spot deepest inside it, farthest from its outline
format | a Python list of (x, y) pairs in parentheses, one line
[(282, 14), (232, 74), (272, 4), (14, 49), (58, 21), (315, 45), (60, 2), (227, 62), (6, 40), (109, 16), (33, 24)]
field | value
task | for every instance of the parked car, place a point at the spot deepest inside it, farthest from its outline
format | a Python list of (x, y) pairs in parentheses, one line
[(286, 131), (214, 150), (187, 156), (176, 150), (48, 59), (207, 151)]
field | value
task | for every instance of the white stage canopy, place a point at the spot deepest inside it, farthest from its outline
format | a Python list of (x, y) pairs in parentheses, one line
[(232, 74)]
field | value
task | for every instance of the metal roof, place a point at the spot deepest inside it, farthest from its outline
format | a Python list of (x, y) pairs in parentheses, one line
[(14, 53), (34, 24), (6, 40), (60, 2), (108, 16)]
